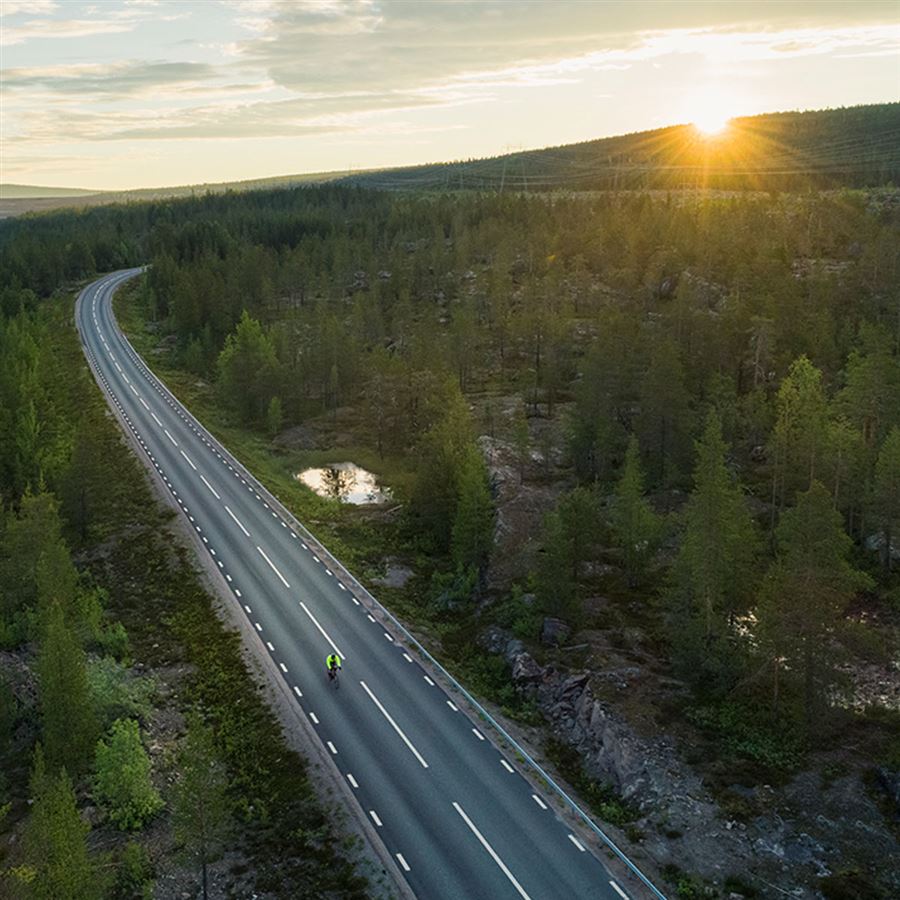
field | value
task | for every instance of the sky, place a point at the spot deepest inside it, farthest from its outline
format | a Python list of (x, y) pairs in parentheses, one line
[(116, 94)]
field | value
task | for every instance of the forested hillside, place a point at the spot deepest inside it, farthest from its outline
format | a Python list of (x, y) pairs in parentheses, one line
[(854, 147), (699, 397)]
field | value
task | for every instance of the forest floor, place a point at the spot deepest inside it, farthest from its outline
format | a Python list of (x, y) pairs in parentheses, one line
[(796, 822)]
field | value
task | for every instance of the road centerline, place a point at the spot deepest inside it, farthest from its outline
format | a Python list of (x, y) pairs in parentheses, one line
[(271, 564), (395, 726), (490, 849)]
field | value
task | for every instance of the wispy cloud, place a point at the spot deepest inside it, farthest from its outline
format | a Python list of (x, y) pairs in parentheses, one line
[(68, 28), (27, 7), (120, 79)]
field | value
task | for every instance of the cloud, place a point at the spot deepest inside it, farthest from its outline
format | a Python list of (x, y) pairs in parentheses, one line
[(111, 80), (27, 7), (322, 66), (60, 28)]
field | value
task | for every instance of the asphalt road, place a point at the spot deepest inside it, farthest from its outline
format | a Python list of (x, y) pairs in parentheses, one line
[(453, 811)]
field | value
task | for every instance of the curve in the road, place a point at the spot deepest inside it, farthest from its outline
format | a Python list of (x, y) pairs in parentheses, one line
[(457, 816)]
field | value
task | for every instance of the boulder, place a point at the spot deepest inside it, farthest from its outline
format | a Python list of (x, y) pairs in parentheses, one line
[(889, 782), (554, 632), (526, 670)]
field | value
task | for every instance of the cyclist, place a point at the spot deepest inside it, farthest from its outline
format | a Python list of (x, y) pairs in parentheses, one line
[(333, 662)]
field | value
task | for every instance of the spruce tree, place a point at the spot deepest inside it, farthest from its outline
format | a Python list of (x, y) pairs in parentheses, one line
[(26, 536), (714, 570), (799, 438), (569, 532), (67, 713), (470, 541), (56, 840), (635, 526), (804, 598), (201, 811), (886, 496), (664, 422)]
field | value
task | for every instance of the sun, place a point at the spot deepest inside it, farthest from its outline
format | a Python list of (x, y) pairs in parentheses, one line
[(711, 122), (710, 111)]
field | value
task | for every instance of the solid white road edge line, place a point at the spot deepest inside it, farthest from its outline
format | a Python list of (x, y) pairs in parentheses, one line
[(395, 726), (490, 850)]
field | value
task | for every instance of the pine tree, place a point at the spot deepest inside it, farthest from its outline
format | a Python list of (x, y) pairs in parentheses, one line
[(67, 713), (441, 454), (663, 425), (635, 526), (886, 495), (122, 777), (521, 440), (569, 532), (714, 570), (471, 540), (36, 527), (805, 595), (56, 840), (200, 809), (800, 433), (247, 370)]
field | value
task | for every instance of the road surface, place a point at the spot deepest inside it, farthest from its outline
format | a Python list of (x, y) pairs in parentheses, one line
[(451, 809)]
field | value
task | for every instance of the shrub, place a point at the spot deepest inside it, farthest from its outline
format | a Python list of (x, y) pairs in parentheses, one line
[(116, 693), (134, 874), (122, 777)]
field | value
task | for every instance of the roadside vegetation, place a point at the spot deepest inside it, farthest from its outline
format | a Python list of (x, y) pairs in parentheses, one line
[(134, 748)]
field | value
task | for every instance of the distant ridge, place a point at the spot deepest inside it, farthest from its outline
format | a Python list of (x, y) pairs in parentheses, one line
[(16, 199), (856, 146), (33, 191)]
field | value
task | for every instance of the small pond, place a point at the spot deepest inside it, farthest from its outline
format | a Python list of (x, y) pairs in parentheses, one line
[(346, 482)]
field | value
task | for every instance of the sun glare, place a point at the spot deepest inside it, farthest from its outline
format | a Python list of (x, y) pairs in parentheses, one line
[(710, 111), (710, 123)]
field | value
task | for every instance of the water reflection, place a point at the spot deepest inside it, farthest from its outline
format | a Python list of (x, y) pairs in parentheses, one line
[(346, 482)]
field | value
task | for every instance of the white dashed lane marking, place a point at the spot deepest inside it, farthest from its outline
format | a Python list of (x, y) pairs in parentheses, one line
[(491, 851), (394, 725), (211, 488), (237, 521), (272, 565), (577, 843)]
